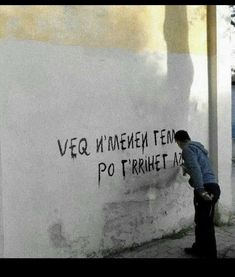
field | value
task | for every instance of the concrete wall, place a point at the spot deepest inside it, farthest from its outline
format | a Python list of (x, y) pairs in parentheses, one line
[(81, 74)]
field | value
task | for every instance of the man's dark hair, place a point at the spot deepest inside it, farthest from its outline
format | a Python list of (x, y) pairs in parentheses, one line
[(182, 135)]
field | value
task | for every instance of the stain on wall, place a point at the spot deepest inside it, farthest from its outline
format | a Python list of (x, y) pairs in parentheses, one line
[(71, 248), (174, 70), (130, 223), (138, 28), (56, 237)]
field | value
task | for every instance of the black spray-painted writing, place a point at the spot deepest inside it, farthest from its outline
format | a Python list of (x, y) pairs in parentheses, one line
[(177, 161), (165, 137), (102, 168), (139, 166), (80, 147), (122, 142), (145, 165)]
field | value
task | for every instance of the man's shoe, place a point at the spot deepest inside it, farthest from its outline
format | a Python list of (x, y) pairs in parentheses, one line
[(193, 252)]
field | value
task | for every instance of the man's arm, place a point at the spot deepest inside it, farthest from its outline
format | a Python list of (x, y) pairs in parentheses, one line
[(193, 169)]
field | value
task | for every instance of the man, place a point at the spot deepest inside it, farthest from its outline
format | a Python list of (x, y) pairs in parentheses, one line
[(206, 194)]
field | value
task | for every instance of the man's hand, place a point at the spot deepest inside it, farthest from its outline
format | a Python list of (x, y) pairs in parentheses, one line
[(205, 195)]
